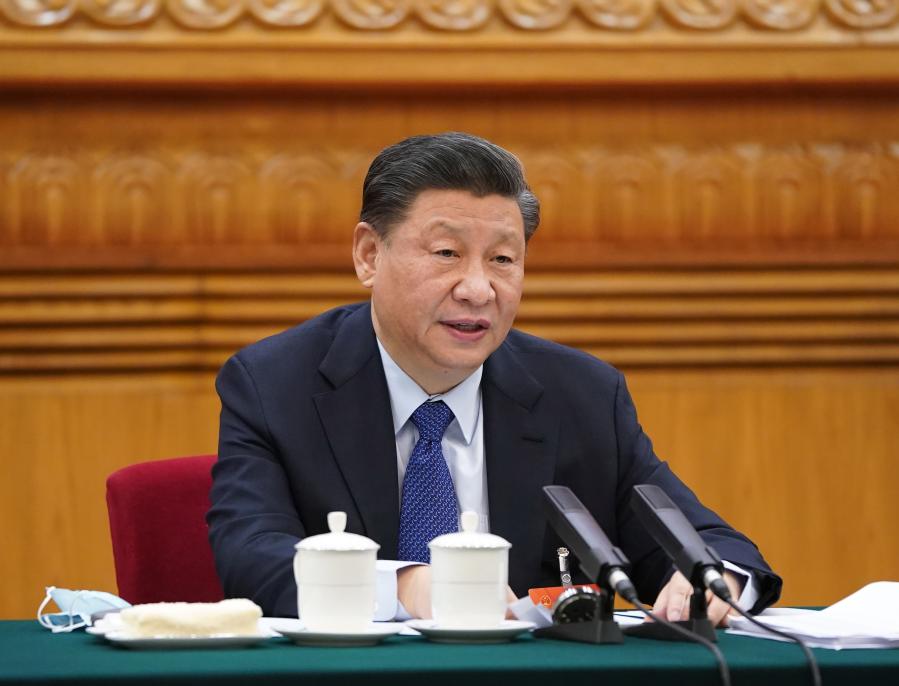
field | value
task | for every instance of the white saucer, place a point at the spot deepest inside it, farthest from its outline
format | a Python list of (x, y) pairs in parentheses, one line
[(167, 642), (505, 631), (299, 634)]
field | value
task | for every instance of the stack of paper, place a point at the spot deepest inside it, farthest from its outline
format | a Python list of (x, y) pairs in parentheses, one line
[(869, 618)]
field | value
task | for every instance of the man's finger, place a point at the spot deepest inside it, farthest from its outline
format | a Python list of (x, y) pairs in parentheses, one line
[(660, 606), (679, 605), (679, 598), (671, 597), (718, 612)]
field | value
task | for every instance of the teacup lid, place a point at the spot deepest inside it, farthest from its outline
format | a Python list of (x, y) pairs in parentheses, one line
[(469, 536), (338, 539)]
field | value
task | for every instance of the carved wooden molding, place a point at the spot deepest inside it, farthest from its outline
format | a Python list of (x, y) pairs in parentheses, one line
[(247, 206), (60, 323), (459, 15)]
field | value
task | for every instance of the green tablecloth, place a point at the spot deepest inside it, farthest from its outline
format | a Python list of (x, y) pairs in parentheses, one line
[(30, 654)]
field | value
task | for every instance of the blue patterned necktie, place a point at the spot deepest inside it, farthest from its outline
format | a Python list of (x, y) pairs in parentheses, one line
[(429, 506)]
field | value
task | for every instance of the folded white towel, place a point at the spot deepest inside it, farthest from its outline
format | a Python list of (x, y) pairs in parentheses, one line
[(233, 616)]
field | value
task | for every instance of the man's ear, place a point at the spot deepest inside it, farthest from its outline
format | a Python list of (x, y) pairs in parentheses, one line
[(366, 245)]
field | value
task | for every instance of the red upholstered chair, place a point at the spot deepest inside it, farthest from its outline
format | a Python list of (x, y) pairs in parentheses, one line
[(157, 518)]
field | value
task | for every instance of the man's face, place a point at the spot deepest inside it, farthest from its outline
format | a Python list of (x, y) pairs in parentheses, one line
[(446, 283)]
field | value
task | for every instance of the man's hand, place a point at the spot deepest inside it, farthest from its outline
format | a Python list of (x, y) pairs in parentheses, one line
[(413, 590), (673, 602), (510, 598)]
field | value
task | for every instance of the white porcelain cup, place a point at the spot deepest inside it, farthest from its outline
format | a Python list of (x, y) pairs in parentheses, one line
[(469, 577), (335, 576)]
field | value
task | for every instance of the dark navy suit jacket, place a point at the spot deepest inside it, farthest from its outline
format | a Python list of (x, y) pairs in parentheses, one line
[(306, 428)]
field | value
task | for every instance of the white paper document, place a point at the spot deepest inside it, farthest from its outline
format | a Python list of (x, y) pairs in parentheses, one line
[(869, 618)]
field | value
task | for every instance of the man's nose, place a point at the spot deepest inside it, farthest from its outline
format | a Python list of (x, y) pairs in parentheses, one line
[(474, 286)]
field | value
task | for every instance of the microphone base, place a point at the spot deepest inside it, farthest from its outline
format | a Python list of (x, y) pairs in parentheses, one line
[(660, 632), (594, 631)]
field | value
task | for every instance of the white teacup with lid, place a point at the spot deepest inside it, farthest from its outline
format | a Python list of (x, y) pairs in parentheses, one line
[(335, 575), (469, 577)]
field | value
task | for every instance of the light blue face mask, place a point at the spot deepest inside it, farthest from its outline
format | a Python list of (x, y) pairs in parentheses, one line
[(77, 608)]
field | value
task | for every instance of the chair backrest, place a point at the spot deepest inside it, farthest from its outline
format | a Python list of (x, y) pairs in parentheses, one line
[(157, 519)]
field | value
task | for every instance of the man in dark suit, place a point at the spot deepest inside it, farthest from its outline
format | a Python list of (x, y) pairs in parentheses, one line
[(338, 413)]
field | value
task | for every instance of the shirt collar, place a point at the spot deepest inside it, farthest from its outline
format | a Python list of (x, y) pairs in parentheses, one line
[(406, 395)]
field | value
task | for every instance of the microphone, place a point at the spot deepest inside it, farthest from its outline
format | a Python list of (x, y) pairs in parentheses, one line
[(600, 560), (671, 530), (695, 560), (607, 565)]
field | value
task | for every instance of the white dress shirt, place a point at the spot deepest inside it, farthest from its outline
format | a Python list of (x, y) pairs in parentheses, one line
[(463, 441), (463, 449)]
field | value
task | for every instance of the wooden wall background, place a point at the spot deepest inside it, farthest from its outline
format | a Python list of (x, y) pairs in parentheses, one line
[(720, 183)]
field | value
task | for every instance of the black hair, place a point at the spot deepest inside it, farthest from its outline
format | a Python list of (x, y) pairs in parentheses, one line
[(445, 161)]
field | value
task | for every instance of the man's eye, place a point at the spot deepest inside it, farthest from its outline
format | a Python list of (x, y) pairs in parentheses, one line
[(446, 253), (503, 259)]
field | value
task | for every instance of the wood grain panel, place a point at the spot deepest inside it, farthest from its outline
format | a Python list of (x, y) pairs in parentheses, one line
[(59, 439), (802, 461)]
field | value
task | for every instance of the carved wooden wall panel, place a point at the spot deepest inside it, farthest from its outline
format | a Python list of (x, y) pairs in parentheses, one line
[(460, 15), (250, 181), (720, 186)]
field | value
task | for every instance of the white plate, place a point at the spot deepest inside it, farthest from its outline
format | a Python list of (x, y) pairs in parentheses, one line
[(170, 642), (506, 631), (299, 634)]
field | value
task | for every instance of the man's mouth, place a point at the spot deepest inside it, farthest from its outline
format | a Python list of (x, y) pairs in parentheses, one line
[(467, 325)]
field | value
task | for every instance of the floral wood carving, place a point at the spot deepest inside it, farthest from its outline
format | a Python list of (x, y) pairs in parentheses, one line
[(46, 195), (462, 15), (623, 15), (39, 12), (286, 12), (864, 14), (372, 14), (701, 14), (536, 14), (206, 14), (133, 200), (784, 15), (590, 194), (454, 15), (121, 12)]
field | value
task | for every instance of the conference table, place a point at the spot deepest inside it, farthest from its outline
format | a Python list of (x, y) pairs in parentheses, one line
[(30, 654)]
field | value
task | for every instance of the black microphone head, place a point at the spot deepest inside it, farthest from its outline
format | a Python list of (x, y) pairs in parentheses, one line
[(674, 533), (581, 533)]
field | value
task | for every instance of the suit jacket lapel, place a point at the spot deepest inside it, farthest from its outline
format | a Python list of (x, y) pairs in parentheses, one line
[(359, 425), (520, 438)]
